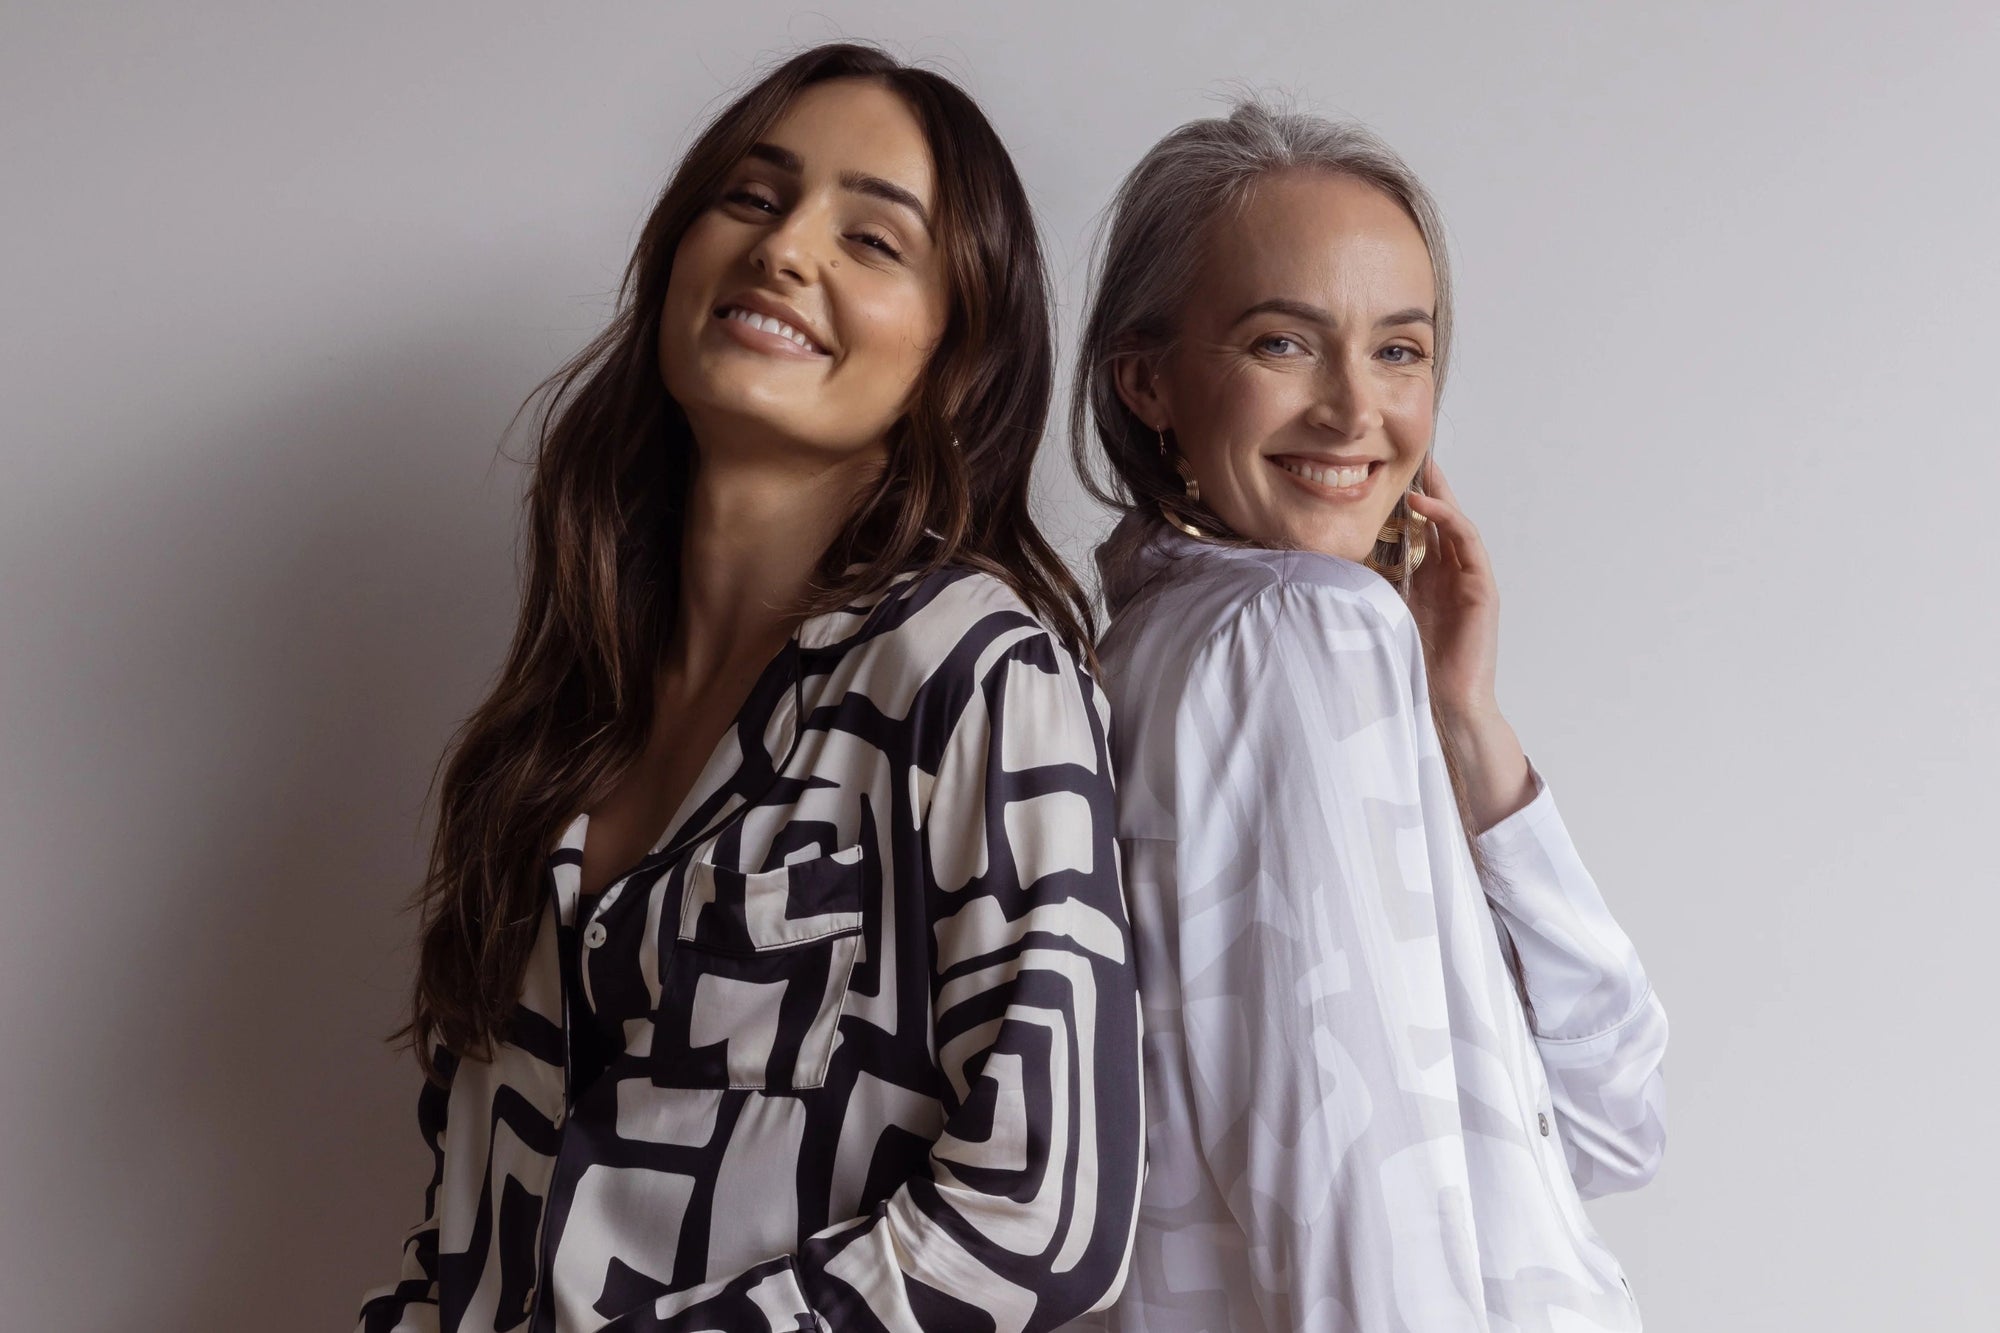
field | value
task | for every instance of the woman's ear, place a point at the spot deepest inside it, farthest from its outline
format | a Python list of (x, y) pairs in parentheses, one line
[(1138, 380)]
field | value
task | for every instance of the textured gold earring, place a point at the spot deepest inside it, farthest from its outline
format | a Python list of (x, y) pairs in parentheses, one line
[(1408, 533)]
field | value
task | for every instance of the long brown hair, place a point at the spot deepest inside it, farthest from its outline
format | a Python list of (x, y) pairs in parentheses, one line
[(573, 705)]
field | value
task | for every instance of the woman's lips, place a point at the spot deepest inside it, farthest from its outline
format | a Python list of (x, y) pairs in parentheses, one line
[(766, 333), (1329, 480)]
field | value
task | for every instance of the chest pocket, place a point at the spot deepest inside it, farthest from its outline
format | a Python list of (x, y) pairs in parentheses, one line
[(758, 977)]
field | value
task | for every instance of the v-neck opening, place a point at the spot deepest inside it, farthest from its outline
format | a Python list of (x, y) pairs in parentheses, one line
[(812, 634), (717, 771)]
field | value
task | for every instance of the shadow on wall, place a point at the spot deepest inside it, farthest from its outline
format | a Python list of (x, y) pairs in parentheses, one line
[(269, 632)]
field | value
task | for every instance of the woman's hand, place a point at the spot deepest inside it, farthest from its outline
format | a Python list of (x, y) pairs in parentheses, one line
[(1456, 601)]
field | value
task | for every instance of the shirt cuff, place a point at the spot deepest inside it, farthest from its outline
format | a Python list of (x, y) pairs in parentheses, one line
[(1523, 824)]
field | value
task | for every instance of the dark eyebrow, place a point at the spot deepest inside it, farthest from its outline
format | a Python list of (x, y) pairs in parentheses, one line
[(1279, 305), (784, 159), (860, 182)]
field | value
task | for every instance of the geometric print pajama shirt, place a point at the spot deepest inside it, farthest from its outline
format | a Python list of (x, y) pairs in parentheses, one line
[(855, 1046)]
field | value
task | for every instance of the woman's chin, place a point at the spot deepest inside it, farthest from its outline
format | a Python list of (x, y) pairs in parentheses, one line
[(722, 402), (754, 428), (1347, 545)]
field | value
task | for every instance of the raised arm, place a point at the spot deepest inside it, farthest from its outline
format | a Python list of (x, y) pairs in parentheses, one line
[(1601, 1032), (1600, 1028)]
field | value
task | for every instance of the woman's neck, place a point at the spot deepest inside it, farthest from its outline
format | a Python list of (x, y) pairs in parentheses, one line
[(756, 529)]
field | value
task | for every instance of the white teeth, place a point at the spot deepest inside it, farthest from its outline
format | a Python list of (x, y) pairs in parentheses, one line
[(1327, 476), (770, 325)]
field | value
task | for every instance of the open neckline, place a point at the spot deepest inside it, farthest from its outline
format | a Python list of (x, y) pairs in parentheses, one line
[(725, 760), (814, 633)]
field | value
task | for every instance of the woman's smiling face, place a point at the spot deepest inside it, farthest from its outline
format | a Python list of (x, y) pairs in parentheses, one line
[(1300, 388), (804, 303)]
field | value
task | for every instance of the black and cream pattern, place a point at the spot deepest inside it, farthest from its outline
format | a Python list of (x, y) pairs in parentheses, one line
[(856, 1047)]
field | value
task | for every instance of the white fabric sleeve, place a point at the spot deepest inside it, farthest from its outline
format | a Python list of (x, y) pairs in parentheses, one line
[(1314, 996), (1600, 1028)]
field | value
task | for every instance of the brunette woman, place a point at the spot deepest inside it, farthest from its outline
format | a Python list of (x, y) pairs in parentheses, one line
[(1383, 1062), (775, 973)]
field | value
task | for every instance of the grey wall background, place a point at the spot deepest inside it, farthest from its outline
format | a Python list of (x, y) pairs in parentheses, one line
[(275, 277)]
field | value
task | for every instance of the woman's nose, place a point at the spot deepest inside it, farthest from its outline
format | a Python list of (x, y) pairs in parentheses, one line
[(786, 250), (1346, 403)]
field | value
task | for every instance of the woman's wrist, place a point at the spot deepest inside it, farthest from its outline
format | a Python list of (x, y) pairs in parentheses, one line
[(1491, 763)]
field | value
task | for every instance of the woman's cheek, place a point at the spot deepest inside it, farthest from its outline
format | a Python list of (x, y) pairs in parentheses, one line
[(1414, 406), (1252, 411), (868, 328)]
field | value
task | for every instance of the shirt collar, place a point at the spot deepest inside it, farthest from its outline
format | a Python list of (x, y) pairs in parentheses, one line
[(846, 622)]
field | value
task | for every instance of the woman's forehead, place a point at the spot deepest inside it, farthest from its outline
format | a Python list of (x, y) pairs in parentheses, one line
[(855, 126), (1318, 237)]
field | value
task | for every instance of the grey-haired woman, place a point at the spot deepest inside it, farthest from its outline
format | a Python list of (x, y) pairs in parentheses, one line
[(1384, 1059)]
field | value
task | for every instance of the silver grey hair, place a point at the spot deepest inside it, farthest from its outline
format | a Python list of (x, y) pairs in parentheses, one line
[(1161, 221), (1160, 224)]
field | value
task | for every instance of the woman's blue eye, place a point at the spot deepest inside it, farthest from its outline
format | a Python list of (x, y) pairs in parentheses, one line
[(1410, 355), (1274, 342)]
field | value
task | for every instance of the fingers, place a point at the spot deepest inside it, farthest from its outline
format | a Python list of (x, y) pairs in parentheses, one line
[(1435, 534), (1438, 515), (1457, 532)]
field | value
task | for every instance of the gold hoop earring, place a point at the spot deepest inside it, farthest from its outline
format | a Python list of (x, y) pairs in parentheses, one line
[(1409, 532), (1189, 486)]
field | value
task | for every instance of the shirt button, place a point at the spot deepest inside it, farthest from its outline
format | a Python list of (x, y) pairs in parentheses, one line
[(561, 1111), (1542, 1123), (594, 934)]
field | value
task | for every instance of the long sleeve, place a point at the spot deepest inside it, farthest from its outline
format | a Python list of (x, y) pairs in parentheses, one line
[(1600, 1028), (1319, 1035), (1022, 1216), (410, 1304)]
